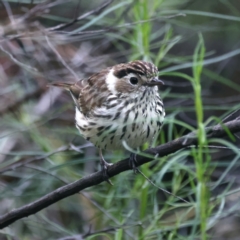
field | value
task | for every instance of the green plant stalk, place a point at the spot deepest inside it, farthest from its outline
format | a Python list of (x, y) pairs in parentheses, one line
[(143, 202), (200, 170), (119, 234), (200, 157), (142, 30)]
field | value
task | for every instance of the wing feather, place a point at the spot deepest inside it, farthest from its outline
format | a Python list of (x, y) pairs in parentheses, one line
[(88, 94)]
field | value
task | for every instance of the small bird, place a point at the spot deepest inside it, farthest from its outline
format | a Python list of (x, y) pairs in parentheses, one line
[(118, 106)]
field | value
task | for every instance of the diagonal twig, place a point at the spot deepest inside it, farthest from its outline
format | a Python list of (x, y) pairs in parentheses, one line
[(85, 15)]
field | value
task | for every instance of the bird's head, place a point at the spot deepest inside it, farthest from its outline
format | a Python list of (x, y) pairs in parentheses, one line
[(133, 77)]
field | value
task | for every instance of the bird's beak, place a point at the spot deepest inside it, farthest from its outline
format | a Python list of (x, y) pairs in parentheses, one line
[(155, 82)]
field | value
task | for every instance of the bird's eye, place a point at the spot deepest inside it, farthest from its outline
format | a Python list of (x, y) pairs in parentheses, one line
[(133, 80)]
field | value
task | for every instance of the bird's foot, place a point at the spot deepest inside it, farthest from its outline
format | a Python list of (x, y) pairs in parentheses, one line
[(104, 169), (133, 162)]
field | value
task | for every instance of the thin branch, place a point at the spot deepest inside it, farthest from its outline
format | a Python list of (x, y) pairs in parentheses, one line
[(22, 163), (162, 189), (61, 59), (34, 159), (8, 10), (121, 166), (18, 62), (113, 27), (41, 8), (85, 15)]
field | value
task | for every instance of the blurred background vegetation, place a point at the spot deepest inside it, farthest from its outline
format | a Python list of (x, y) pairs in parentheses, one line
[(195, 45)]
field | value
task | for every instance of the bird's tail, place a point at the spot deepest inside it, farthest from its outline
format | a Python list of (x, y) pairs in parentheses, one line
[(73, 88), (66, 86)]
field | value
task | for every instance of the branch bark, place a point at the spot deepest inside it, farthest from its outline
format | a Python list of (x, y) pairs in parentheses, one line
[(123, 165)]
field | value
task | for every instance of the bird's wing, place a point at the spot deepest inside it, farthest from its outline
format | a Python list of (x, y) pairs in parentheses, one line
[(88, 93)]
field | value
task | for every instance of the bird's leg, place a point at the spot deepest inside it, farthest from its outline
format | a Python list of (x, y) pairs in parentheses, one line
[(133, 162), (104, 167)]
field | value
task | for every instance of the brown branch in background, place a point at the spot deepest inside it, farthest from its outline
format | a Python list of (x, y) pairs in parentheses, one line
[(41, 8), (85, 15), (128, 25), (123, 165), (24, 162)]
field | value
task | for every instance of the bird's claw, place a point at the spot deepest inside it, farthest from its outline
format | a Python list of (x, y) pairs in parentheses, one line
[(133, 162), (104, 169)]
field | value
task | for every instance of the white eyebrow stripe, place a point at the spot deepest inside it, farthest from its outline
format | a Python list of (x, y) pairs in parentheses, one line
[(111, 82)]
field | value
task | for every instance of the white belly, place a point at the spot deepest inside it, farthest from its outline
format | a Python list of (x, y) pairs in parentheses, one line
[(109, 128)]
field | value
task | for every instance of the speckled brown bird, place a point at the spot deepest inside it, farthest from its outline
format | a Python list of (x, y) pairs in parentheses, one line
[(118, 106)]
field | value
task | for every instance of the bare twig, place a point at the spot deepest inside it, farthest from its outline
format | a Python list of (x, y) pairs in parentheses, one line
[(123, 165), (18, 62), (162, 189), (34, 159), (89, 233), (8, 10), (122, 26), (61, 59), (40, 8), (85, 15), (22, 163)]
